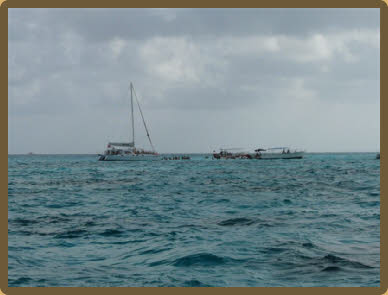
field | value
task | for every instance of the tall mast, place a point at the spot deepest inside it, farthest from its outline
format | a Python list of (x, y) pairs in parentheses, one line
[(133, 125), (145, 125)]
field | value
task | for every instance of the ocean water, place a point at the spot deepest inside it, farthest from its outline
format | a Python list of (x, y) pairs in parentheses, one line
[(74, 221)]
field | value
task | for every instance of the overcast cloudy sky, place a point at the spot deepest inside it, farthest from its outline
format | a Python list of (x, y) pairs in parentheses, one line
[(206, 78)]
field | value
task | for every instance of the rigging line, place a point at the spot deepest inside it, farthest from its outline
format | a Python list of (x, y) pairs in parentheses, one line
[(141, 113), (132, 117)]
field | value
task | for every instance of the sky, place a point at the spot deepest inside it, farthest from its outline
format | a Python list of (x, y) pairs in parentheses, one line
[(205, 79)]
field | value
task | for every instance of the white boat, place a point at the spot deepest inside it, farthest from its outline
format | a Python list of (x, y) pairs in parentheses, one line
[(278, 153), (127, 151)]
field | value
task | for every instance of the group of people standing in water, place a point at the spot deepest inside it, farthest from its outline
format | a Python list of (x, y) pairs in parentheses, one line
[(177, 158)]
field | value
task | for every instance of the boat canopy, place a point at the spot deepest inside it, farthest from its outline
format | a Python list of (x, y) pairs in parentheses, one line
[(278, 148), (231, 149), (122, 144)]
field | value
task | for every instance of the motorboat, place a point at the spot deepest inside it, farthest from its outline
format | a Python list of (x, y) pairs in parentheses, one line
[(278, 153)]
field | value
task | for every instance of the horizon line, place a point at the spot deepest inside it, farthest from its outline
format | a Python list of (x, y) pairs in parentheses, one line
[(167, 153)]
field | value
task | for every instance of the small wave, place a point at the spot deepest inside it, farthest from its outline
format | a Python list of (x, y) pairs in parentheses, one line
[(223, 201), (308, 245), (157, 263), (19, 281), (333, 258), (345, 262), (135, 187), (327, 215), (201, 259), (236, 221), (149, 234), (154, 251), (65, 244), (62, 205), (22, 221), (71, 234), (274, 250), (190, 225), (111, 232), (369, 204), (332, 268), (194, 283), (118, 242), (90, 223)]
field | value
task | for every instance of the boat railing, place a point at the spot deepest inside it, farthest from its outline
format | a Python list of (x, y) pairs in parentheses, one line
[(282, 150)]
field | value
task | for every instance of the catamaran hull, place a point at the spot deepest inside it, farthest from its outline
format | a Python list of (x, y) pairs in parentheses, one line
[(129, 158), (272, 156)]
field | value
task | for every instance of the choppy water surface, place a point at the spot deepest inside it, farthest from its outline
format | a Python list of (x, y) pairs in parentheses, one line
[(73, 221)]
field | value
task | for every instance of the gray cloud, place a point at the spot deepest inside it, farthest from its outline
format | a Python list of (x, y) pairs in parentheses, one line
[(69, 71), (105, 24)]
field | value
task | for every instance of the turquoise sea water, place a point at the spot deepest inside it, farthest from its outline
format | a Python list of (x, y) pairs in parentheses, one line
[(74, 221)]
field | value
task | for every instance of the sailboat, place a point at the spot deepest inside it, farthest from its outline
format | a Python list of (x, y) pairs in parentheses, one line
[(127, 151)]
